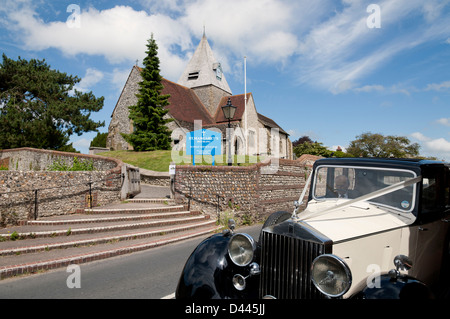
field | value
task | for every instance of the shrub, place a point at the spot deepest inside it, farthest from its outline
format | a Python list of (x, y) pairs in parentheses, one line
[(78, 165)]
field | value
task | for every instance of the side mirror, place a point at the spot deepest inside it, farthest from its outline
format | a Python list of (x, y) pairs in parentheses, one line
[(401, 262)]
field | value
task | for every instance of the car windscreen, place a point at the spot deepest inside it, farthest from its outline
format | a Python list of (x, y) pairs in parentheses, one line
[(333, 182)]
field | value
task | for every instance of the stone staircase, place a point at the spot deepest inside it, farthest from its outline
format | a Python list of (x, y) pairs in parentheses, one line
[(96, 234)]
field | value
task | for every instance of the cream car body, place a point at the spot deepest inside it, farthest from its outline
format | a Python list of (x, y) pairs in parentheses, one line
[(368, 235)]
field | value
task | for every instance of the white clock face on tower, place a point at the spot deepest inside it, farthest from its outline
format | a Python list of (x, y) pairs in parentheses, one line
[(219, 72)]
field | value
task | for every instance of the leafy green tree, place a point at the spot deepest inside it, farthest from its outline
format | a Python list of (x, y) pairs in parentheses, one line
[(302, 140), (304, 145), (38, 108), (99, 140), (149, 130), (378, 145), (312, 148)]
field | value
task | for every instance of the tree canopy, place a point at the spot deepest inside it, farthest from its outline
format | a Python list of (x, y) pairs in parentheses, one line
[(364, 145), (149, 130), (378, 145), (312, 148), (40, 108), (304, 145), (99, 140)]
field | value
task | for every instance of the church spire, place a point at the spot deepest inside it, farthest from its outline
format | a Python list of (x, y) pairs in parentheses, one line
[(203, 69)]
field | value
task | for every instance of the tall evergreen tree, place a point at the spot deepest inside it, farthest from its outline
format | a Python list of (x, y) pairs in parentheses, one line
[(150, 132), (38, 108)]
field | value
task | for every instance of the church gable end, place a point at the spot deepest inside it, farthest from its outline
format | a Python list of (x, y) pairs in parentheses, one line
[(120, 123)]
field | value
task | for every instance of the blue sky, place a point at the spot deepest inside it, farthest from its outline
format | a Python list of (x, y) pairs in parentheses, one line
[(331, 70)]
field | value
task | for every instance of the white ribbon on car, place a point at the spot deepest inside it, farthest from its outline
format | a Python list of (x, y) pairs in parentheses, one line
[(380, 192), (302, 195)]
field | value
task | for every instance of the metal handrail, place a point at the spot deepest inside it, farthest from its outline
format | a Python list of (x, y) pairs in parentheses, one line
[(190, 196), (36, 190)]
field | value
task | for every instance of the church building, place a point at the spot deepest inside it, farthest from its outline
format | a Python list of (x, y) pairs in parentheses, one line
[(198, 97)]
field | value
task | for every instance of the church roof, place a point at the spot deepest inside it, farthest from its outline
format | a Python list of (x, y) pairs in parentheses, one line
[(203, 69), (239, 102), (268, 122), (184, 103), (236, 100)]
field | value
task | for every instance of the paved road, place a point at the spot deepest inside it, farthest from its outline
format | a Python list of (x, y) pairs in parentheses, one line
[(151, 274)]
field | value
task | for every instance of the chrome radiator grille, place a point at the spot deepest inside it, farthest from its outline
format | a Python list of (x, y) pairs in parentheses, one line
[(285, 267)]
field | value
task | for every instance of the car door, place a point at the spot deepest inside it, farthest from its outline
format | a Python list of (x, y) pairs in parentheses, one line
[(432, 232)]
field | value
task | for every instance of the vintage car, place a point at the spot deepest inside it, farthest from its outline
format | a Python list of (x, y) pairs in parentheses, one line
[(372, 228)]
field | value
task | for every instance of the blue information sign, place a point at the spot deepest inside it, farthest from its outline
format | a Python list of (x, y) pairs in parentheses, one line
[(203, 142)]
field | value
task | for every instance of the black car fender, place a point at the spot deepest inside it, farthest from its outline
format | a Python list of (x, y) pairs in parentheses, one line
[(387, 287), (209, 271)]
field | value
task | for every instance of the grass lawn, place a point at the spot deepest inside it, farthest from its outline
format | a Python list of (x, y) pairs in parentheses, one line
[(160, 160)]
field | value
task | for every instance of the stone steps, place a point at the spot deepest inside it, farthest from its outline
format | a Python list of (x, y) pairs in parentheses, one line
[(99, 233), (69, 228), (105, 219)]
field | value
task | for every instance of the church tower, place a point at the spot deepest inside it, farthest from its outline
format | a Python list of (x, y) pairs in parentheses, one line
[(204, 75)]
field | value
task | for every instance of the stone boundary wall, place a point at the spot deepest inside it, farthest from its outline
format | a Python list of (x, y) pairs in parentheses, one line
[(58, 193), (252, 192), (30, 159)]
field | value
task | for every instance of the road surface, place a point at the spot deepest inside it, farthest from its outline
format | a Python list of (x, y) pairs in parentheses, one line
[(151, 274)]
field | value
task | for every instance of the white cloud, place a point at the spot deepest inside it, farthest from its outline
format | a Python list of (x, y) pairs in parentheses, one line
[(119, 77), (444, 121), (119, 34), (91, 78), (378, 88), (326, 44), (342, 49), (419, 136), (82, 145), (370, 88), (263, 30), (438, 147), (438, 86)]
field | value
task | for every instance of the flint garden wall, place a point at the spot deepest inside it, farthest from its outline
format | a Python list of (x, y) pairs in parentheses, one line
[(29, 191), (252, 192)]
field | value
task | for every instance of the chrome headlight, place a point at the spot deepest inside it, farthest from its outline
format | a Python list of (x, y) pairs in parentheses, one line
[(241, 249), (331, 275)]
